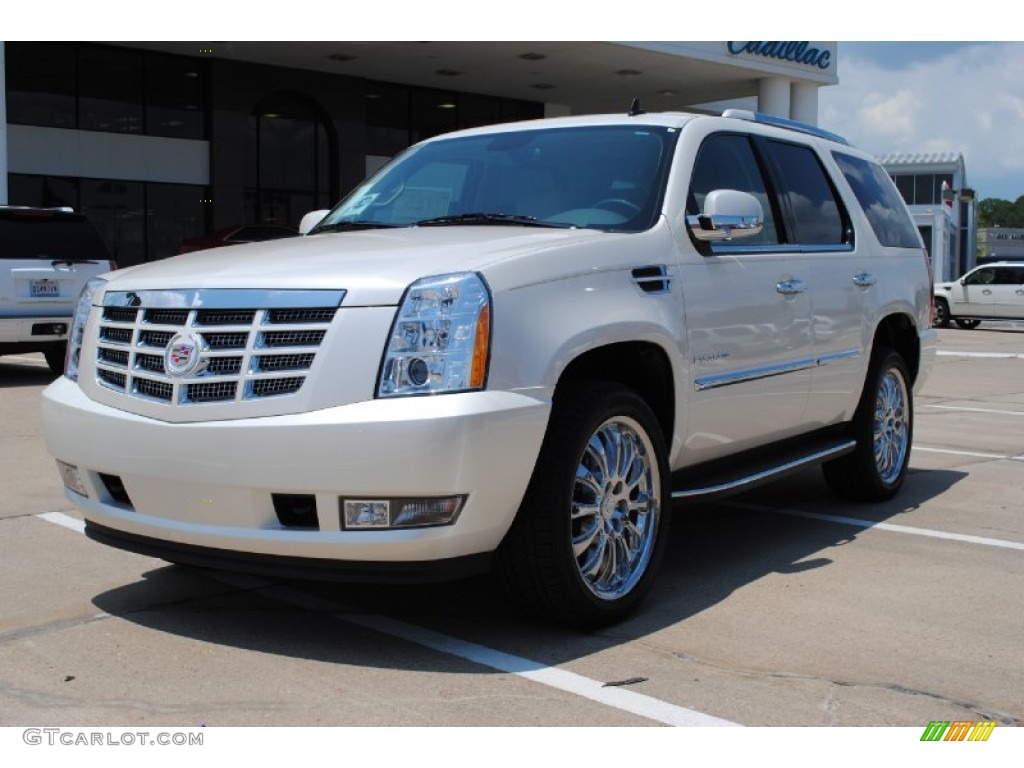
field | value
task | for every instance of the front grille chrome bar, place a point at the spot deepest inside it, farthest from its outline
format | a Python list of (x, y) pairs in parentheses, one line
[(187, 347)]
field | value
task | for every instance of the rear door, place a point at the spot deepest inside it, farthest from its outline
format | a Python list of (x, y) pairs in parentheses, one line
[(839, 276), (1008, 292)]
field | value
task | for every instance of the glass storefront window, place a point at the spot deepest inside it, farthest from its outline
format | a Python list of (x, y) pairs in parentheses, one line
[(118, 210), (175, 213), (44, 191), (289, 160), (110, 88), (41, 84), (175, 88)]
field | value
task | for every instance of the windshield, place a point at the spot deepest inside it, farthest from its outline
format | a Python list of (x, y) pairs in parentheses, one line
[(602, 177)]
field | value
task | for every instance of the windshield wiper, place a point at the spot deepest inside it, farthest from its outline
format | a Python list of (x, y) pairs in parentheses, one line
[(485, 219), (347, 226)]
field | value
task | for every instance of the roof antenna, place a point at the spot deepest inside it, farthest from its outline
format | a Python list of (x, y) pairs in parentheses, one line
[(635, 108)]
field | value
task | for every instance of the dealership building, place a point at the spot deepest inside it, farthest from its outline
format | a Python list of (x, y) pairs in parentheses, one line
[(158, 142)]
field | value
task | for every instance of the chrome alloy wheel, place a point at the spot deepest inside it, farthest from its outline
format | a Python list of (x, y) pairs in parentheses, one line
[(616, 505), (891, 430)]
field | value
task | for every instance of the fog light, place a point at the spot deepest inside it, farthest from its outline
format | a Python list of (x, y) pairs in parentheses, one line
[(363, 514), (72, 478), (426, 511)]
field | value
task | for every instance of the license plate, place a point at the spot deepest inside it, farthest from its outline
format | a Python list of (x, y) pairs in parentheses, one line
[(44, 287)]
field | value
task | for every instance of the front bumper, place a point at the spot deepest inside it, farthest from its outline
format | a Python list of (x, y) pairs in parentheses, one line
[(206, 487)]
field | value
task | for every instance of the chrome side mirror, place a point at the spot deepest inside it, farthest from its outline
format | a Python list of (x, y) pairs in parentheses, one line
[(311, 219), (727, 213)]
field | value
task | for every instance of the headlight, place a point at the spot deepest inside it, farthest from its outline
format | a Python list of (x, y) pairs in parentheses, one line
[(77, 333), (440, 339)]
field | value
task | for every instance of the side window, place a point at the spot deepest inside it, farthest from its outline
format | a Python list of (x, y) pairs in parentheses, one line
[(882, 204), (1004, 276), (981, 277), (726, 161), (815, 216)]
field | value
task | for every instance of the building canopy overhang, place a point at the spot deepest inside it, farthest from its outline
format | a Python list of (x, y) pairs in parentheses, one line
[(584, 77)]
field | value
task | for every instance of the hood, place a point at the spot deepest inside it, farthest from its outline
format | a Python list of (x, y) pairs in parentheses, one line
[(374, 267)]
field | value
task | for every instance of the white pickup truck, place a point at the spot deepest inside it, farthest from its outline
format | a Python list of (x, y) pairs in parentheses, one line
[(513, 347)]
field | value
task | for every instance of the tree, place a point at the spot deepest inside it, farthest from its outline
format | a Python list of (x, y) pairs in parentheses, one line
[(995, 212)]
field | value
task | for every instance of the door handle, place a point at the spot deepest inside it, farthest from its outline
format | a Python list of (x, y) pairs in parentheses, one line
[(1020, 291), (864, 280), (790, 287), (987, 292)]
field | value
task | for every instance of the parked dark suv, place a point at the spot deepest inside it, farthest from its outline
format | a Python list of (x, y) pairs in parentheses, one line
[(47, 255)]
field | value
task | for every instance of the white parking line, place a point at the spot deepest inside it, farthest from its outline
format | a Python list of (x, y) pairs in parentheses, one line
[(965, 409), (989, 355), (972, 454), (855, 521), (552, 677), (59, 518)]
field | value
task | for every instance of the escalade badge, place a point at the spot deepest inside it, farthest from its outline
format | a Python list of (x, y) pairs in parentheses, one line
[(184, 355)]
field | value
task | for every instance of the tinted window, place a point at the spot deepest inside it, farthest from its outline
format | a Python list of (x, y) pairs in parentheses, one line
[(726, 161), (45, 236), (881, 202), (815, 215)]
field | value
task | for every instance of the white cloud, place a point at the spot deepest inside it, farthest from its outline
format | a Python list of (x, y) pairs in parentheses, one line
[(969, 99)]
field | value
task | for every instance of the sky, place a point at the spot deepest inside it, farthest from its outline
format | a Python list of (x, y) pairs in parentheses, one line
[(965, 97)]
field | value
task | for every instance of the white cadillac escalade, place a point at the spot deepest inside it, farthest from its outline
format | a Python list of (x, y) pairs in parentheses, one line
[(513, 347)]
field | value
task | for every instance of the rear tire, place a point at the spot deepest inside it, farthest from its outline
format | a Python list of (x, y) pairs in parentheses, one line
[(967, 323), (883, 426), (592, 527), (941, 314)]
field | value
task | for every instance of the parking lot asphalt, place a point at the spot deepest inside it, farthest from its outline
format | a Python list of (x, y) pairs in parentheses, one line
[(782, 606)]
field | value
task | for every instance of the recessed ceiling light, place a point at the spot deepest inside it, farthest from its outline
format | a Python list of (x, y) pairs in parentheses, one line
[(446, 105), (666, 93), (342, 57), (543, 86), (448, 72), (628, 72), (532, 56)]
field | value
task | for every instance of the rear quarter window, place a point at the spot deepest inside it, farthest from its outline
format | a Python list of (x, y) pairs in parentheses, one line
[(880, 201)]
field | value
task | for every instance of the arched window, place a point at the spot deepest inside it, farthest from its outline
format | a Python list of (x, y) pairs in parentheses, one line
[(289, 157)]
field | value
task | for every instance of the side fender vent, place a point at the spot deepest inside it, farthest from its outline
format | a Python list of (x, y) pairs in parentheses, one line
[(652, 279)]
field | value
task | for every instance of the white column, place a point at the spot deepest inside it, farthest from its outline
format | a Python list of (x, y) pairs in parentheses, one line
[(773, 96), (803, 103), (3, 126)]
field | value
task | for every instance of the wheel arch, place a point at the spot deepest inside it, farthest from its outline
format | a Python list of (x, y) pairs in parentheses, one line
[(642, 366), (899, 333)]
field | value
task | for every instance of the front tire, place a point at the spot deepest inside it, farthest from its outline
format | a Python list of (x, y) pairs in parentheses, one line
[(967, 323), (883, 426), (55, 358), (593, 524)]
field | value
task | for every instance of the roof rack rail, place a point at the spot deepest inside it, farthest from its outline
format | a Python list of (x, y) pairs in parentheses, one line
[(783, 122)]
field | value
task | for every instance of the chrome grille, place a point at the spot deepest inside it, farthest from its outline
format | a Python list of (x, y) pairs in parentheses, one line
[(235, 333), (166, 316)]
